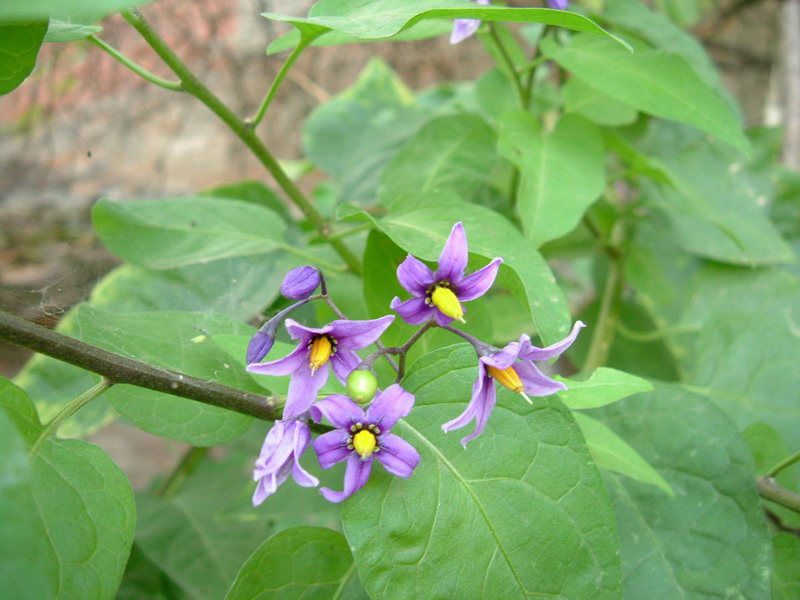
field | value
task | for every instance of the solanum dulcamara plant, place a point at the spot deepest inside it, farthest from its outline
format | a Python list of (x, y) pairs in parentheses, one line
[(361, 436), (530, 334)]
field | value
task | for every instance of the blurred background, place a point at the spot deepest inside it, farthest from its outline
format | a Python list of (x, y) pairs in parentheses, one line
[(83, 127)]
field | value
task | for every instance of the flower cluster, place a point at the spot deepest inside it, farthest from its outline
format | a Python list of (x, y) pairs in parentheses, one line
[(362, 420)]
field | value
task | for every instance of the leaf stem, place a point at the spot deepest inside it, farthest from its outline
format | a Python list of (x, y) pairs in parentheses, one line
[(174, 86), (70, 409), (192, 85), (190, 461), (121, 369), (768, 488), (780, 466), (305, 40), (512, 70)]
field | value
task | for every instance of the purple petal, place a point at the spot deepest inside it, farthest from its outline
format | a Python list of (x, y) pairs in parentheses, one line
[(301, 440), (340, 411), (463, 28), (442, 319), (355, 476), (558, 4), (303, 390), (398, 456), (478, 283), (275, 451), (331, 448), (300, 283), (479, 408), (392, 404), (414, 276), (536, 383), (299, 331), (503, 359), (343, 362), (530, 352), (356, 335), (413, 311), (283, 366), (453, 259)]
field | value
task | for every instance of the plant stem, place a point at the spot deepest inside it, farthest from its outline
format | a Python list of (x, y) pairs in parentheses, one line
[(305, 40), (509, 65), (174, 86), (769, 489), (786, 462), (479, 346), (190, 461), (121, 369), (192, 85), (70, 409)]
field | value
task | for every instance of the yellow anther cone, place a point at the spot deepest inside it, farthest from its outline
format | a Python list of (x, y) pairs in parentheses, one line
[(320, 352), (364, 443), (507, 377), (446, 301)]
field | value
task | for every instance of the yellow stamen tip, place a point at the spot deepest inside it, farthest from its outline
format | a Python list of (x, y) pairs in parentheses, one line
[(509, 378), (446, 301), (321, 349), (364, 443)]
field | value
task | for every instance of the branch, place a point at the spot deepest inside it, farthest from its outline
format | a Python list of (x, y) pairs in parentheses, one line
[(769, 489), (121, 369), (191, 84)]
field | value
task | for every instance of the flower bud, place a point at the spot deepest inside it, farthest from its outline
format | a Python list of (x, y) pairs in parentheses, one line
[(361, 386), (260, 345), (300, 283)]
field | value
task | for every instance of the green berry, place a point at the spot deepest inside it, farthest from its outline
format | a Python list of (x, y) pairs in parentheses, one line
[(361, 386)]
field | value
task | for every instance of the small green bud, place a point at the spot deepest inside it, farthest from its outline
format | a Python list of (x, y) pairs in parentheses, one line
[(361, 386)]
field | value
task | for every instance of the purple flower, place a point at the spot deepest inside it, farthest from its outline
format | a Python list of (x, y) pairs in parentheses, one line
[(280, 455), (513, 368), (440, 294), (463, 28), (261, 343), (558, 4), (332, 344), (300, 283), (361, 436)]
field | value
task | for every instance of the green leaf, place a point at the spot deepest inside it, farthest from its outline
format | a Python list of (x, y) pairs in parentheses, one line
[(785, 575), (255, 192), (661, 33), (19, 47), (524, 497), (67, 516), (64, 31), (352, 136), (379, 19), (599, 108), (162, 234), (41, 9), (563, 171), (301, 562), (710, 539), (603, 386), (717, 207), (454, 152), (176, 341), (612, 452), (654, 81), (420, 225)]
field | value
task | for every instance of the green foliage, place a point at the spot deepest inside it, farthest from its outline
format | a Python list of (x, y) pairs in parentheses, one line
[(654, 81), (68, 511), (605, 165), (308, 562), (19, 47), (524, 497), (709, 537)]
